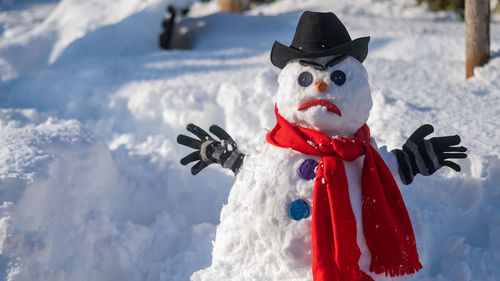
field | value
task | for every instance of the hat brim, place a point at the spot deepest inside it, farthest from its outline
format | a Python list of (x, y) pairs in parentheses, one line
[(281, 54)]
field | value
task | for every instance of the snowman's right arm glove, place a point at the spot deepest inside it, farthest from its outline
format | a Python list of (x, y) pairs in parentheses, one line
[(426, 156), (209, 151)]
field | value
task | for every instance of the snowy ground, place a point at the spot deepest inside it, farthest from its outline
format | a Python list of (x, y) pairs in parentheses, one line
[(90, 184)]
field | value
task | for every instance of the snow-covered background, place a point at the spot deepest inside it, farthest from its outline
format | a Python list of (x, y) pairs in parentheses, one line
[(90, 185)]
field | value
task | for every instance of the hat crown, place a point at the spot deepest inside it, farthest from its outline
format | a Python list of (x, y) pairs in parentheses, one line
[(319, 35), (319, 31)]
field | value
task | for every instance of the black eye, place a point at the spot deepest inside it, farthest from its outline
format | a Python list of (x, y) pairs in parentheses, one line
[(305, 79), (338, 77)]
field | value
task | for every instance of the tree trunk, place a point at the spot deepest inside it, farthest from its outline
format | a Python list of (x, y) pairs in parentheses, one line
[(477, 32), (233, 6)]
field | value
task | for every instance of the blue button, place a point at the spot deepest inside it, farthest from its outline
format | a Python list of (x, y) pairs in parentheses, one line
[(307, 169), (298, 209)]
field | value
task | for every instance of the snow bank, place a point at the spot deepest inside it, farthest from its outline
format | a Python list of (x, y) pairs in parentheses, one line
[(90, 183), (104, 28), (72, 209)]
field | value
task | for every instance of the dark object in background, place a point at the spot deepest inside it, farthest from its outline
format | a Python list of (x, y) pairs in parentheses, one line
[(168, 24)]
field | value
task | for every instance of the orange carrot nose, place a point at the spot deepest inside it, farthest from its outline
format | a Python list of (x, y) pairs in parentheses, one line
[(321, 86)]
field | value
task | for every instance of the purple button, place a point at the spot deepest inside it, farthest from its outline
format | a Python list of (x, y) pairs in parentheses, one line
[(307, 169)]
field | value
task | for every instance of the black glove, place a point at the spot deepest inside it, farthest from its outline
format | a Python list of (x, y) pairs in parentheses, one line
[(427, 156), (225, 152)]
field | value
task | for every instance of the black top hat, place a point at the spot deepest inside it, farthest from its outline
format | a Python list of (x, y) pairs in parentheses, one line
[(319, 35)]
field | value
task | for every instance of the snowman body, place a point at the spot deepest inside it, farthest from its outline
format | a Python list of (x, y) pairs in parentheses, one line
[(257, 238)]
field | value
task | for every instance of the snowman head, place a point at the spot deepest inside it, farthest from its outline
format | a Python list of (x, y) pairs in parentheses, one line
[(329, 94), (323, 85)]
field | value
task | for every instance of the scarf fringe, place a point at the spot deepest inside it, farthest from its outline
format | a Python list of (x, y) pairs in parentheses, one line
[(394, 270)]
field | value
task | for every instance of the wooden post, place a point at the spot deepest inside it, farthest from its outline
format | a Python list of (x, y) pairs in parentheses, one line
[(477, 33), (233, 6)]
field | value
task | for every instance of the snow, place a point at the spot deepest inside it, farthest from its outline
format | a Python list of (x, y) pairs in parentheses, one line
[(90, 183)]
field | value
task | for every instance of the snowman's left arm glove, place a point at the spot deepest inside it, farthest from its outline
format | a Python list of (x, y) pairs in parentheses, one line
[(208, 150), (426, 156)]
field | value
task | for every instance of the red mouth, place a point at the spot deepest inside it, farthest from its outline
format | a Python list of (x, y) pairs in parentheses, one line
[(329, 106)]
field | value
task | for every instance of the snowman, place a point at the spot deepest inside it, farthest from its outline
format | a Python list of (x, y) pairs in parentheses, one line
[(316, 199)]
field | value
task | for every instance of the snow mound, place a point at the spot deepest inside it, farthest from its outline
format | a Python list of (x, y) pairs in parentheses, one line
[(71, 208)]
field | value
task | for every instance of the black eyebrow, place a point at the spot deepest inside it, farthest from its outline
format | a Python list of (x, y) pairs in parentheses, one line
[(318, 66), (312, 64), (336, 60)]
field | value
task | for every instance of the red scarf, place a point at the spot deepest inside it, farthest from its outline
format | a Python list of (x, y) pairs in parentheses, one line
[(386, 224)]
